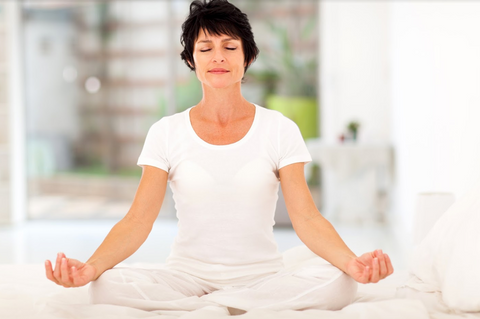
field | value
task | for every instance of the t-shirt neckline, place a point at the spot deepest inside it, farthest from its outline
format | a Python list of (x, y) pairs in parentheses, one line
[(225, 146)]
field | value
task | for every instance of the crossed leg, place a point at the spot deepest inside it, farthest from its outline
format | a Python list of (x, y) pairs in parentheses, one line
[(313, 284), (150, 289)]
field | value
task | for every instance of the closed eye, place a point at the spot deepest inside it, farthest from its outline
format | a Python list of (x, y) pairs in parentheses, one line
[(225, 48)]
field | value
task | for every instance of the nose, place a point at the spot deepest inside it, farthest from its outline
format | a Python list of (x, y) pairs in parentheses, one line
[(218, 56)]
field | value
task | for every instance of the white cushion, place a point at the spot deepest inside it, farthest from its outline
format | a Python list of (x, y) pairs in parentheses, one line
[(448, 259)]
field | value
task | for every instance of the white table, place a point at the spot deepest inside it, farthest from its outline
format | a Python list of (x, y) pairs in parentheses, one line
[(356, 179)]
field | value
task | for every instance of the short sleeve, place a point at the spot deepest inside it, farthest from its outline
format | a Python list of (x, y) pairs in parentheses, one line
[(291, 146), (155, 149)]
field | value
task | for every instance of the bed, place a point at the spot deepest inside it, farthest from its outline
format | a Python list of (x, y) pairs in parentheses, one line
[(440, 284), (26, 293)]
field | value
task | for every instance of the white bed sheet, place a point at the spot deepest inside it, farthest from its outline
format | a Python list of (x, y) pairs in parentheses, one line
[(26, 293)]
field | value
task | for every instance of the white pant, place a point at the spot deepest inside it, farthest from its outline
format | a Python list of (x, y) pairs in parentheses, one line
[(312, 284)]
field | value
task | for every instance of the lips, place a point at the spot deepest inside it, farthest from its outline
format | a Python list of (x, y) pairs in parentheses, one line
[(218, 71)]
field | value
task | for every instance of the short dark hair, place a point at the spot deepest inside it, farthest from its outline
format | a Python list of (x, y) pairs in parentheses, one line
[(217, 17)]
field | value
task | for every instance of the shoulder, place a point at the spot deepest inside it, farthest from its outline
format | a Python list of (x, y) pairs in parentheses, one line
[(268, 114), (169, 121), (277, 118), (273, 116)]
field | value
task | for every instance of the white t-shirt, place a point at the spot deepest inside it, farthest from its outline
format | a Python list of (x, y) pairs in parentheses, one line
[(225, 195)]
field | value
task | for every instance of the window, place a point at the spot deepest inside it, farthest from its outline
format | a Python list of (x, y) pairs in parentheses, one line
[(98, 75)]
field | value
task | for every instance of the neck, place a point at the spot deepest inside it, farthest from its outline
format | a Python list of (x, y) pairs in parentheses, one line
[(223, 105)]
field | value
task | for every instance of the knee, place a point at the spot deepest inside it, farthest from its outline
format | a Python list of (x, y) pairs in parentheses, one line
[(337, 288), (343, 292), (97, 292), (102, 290)]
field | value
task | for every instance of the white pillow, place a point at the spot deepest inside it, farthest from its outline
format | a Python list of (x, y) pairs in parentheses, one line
[(448, 259)]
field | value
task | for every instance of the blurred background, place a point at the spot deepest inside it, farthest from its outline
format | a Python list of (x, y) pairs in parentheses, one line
[(386, 95)]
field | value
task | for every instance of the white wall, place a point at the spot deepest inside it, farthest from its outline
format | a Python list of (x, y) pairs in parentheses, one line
[(354, 69), (435, 60), (410, 71), (16, 110)]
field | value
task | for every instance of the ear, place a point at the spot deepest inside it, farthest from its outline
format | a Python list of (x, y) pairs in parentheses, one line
[(191, 64)]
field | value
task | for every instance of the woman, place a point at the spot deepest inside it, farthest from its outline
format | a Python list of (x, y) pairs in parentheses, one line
[(224, 158)]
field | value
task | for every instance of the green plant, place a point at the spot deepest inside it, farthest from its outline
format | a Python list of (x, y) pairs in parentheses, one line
[(285, 72), (352, 128), (188, 93)]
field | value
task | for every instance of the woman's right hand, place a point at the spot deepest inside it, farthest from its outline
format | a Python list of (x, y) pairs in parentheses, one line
[(69, 272)]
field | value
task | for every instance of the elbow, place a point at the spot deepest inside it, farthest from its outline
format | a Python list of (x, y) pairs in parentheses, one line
[(306, 223), (133, 221), (306, 217)]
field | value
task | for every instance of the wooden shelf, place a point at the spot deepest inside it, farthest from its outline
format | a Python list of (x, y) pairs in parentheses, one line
[(152, 83), (4, 187), (115, 25), (134, 83), (129, 139), (123, 139), (119, 111), (280, 12), (4, 149), (123, 54)]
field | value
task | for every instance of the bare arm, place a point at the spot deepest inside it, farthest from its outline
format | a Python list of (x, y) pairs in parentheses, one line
[(132, 231), (320, 236), (124, 238)]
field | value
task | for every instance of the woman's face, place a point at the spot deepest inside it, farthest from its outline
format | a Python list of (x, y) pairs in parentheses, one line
[(219, 60)]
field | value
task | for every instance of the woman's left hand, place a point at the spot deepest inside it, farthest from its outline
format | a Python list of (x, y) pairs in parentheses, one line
[(370, 267)]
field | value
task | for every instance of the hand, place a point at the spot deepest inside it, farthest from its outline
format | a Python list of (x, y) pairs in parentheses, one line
[(370, 267), (69, 272)]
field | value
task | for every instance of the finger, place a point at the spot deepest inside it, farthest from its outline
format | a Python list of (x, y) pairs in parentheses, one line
[(49, 271), (375, 271), (56, 272), (75, 276), (366, 275), (383, 265), (65, 274), (362, 277), (77, 280), (389, 265)]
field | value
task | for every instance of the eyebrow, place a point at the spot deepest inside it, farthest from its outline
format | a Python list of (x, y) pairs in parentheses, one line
[(224, 40)]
